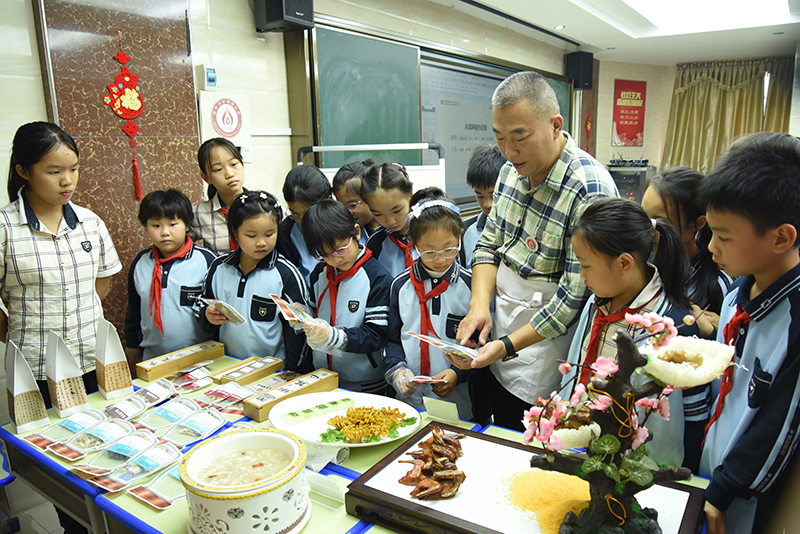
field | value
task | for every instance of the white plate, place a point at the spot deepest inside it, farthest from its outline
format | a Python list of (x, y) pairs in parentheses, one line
[(311, 429)]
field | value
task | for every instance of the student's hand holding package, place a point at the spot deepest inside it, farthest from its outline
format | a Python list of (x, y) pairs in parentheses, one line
[(444, 390), (399, 376)]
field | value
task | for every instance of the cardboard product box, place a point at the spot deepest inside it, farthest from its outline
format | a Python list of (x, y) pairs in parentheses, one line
[(254, 370), (173, 362), (258, 406), (113, 372), (25, 402), (64, 378)]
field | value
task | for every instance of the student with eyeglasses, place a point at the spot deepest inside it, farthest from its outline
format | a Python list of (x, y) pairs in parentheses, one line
[(347, 190), (305, 185), (430, 298), (350, 300)]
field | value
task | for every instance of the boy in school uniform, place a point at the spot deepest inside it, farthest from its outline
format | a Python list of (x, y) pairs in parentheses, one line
[(164, 280), (482, 172), (753, 196), (350, 299)]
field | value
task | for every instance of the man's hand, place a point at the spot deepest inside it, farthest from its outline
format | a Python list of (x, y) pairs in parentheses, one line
[(715, 519), (476, 319), (487, 355)]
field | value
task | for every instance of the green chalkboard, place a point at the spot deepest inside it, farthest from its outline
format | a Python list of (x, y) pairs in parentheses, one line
[(368, 93)]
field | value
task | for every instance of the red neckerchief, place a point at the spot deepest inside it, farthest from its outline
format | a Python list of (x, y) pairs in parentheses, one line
[(155, 284), (333, 286), (231, 243), (731, 333), (405, 247), (425, 317), (600, 321)]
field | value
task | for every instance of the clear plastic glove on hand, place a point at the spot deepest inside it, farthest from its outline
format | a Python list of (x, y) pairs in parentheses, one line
[(399, 377), (323, 337)]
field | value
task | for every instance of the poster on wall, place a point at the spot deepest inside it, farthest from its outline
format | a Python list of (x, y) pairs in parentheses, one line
[(628, 121)]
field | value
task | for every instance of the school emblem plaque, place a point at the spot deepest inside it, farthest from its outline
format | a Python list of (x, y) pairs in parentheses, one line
[(87, 246), (352, 306)]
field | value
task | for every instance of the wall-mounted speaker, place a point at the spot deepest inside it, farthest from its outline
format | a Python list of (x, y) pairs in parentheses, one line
[(284, 15), (579, 67)]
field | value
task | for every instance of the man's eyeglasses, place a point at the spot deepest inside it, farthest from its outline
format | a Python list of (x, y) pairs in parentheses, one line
[(339, 252), (448, 253), (353, 205)]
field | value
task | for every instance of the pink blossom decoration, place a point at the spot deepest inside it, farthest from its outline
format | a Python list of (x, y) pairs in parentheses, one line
[(533, 413), (663, 408), (603, 367), (688, 320), (646, 403), (564, 368), (555, 444), (575, 400), (545, 430), (641, 436), (601, 403), (530, 432), (667, 390)]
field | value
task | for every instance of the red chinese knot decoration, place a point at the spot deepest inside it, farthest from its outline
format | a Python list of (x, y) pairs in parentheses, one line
[(125, 100)]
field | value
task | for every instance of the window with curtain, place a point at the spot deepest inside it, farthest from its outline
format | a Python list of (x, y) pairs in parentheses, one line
[(717, 102)]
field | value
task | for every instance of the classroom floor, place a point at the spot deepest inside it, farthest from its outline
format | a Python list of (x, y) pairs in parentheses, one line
[(36, 515)]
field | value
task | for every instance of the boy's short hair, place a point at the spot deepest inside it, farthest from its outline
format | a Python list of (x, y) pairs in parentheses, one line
[(758, 179), (484, 166), (169, 203), (325, 223)]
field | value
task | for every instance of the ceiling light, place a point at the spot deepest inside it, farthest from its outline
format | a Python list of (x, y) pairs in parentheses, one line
[(559, 27), (611, 48), (777, 33)]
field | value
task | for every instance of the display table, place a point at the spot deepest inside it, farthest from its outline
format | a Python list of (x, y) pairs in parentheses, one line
[(120, 512)]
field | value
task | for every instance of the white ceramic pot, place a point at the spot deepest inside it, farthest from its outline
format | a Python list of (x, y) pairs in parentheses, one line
[(277, 505)]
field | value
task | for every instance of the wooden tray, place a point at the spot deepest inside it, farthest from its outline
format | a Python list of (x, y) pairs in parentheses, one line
[(481, 507)]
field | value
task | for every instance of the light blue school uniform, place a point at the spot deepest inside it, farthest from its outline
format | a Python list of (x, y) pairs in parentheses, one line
[(181, 284), (446, 312), (266, 332)]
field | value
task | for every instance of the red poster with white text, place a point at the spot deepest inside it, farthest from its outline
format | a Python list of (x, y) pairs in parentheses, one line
[(628, 120)]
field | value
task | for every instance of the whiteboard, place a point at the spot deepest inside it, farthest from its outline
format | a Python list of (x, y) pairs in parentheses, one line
[(456, 111)]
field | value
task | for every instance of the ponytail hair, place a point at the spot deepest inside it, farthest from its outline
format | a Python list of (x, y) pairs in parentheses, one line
[(432, 208), (252, 204), (614, 226), (31, 143), (678, 188), (204, 157), (386, 176)]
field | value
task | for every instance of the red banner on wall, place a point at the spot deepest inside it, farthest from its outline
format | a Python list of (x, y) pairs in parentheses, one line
[(628, 120)]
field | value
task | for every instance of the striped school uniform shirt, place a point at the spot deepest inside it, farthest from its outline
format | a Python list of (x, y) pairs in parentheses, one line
[(48, 280), (211, 225)]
